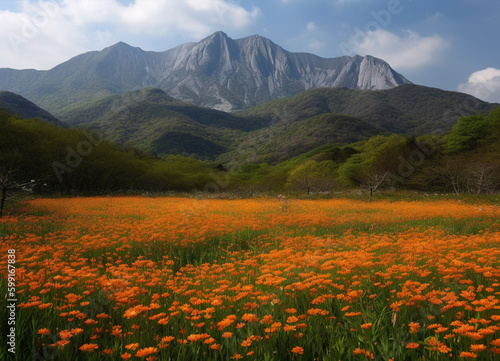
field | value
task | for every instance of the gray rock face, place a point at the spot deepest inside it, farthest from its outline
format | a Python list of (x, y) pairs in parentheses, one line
[(217, 72)]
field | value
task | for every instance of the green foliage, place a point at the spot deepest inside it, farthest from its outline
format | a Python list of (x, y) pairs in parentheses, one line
[(75, 160), (378, 155), (468, 133), (299, 155), (17, 105), (155, 122), (407, 109), (313, 176), (493, 120)]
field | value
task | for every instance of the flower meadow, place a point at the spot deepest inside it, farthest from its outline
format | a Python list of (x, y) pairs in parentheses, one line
[(118, 278)]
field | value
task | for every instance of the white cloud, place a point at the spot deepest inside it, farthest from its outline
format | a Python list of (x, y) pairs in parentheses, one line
[(311, 26), (43, 33), (483, 84), (409, 51)]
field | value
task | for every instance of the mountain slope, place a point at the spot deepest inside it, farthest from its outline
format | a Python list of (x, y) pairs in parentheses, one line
[(16, 104), (153, 121), (282, 140), (406, 109), (217, 72), (274, 131)]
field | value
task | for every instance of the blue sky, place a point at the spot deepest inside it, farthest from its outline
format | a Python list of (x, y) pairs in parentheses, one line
[(449, 44)]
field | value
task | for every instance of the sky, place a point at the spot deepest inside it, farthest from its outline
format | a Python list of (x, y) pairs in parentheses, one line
[(448, 44)]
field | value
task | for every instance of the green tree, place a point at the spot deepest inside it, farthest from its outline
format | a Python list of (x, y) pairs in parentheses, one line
[(312, 176), (468, 133)]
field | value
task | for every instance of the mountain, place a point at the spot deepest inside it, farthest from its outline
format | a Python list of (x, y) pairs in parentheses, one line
[(284, 140), (155, 122), (15, 104), (407, 109), (341, 116), (274, 131), (217, 72)]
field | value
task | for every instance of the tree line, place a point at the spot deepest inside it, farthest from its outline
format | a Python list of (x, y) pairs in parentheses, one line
[(62, 160)]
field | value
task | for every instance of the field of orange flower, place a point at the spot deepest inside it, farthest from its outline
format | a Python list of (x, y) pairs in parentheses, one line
[(117, 278)]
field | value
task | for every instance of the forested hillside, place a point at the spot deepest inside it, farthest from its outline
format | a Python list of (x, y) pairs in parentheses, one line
[(465, 159)]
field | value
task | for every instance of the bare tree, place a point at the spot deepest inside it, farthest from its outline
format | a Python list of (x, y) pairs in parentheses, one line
[(375, 181), (483, 178), (452, 171), (470, 175), (11, 188)]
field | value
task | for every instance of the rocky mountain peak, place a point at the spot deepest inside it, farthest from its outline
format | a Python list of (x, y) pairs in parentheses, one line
[(217, 72)]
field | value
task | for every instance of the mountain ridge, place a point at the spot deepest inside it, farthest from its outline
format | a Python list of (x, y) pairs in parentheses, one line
[(217, 72), (275, 130), (15, 104)]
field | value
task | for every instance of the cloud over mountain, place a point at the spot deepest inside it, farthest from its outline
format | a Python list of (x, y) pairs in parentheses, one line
[(408, 51), (46, 32), (483, 84)]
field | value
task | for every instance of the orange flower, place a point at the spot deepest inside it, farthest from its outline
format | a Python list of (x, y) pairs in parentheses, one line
[(43, 331), (117, 330), (126, 356), (250, 317), (298, 350), (164, 321), (76, 331), (89, 347), (267, 319), (237, 356), (366, 326), (197, 337), (132, 346), (65, 334), (468, 354), (477, 348), (412, 345), (143, 352), (62, 343), (414, 327), (227, 335), (436, 345), (168, 339), (352, 314)]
